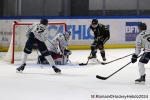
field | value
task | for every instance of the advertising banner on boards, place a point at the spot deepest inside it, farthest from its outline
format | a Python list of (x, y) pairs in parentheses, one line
[(122, 31)]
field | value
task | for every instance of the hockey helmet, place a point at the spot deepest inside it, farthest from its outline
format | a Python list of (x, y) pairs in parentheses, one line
[(142, 26), (94, 22), (44, 21)]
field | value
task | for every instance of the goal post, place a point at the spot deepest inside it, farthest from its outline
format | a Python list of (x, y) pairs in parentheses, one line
[(18, 40)]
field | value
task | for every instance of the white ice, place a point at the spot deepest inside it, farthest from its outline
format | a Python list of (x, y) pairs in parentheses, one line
[(39, 82)]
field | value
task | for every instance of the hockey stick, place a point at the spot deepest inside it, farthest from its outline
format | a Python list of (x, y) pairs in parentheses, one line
[(104, 78), (82, 64), (104, 63)]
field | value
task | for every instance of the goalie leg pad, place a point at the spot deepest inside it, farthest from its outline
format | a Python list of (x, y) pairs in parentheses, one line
[(59, 59)]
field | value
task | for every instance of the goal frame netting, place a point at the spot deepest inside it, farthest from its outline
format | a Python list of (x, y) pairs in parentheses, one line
[(15, 24)]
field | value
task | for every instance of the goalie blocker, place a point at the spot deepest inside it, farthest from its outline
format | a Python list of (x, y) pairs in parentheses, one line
[(58, 59)]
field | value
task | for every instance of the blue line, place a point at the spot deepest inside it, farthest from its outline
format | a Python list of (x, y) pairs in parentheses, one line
[(71, 17)]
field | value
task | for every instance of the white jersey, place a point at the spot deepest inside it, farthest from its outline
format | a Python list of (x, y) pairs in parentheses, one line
[(40, 31), (143, 39), (58, 43)]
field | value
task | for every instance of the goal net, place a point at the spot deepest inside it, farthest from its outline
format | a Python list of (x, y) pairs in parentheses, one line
[(19, 39)]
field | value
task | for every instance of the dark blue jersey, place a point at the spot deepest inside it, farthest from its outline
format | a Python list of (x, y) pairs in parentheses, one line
[(101, 31)]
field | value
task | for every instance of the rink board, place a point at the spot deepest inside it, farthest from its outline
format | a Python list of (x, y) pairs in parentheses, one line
[(123, 30)]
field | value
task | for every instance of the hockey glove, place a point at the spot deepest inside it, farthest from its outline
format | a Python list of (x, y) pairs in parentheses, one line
[(67, 52), (134, 58)]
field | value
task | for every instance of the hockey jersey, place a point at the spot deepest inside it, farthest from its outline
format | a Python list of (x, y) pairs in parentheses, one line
[(143, 40), (58, 43), (40, 31), (100, 31)]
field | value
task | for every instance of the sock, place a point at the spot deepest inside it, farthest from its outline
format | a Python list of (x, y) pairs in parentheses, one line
[(24, 58), (141, 69), (50, 60)]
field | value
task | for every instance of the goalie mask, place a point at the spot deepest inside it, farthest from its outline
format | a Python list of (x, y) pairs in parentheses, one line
[(94, 23), (67, 35)]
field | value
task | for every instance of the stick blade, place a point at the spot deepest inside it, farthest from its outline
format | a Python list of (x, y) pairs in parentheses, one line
[(103, 63), (100, 77), (82, 64)]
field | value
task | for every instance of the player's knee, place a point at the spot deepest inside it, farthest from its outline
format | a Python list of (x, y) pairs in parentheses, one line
[(28, 51), (93, 47), (101, 47)]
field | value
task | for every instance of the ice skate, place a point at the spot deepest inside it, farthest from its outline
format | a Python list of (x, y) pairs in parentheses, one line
[(57, 70), (21, 68), (91, 57), (104, 59), (141, 80)]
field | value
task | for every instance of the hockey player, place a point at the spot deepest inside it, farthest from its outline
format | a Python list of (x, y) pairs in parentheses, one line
[(58, 48), (142, 39), (101, 35), (38, 34)]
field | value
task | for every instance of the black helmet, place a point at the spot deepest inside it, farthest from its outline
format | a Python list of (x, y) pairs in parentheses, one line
[(44, 21), (94, 21), (142, 26)]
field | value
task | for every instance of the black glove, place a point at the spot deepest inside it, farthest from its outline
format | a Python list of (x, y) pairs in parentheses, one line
[(67, 52), (99, 40), (134, 58)]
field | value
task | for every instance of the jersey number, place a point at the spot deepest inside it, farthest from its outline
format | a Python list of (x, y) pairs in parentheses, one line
[(40, 29)]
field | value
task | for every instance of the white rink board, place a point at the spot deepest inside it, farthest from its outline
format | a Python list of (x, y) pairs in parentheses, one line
[(81, 35)]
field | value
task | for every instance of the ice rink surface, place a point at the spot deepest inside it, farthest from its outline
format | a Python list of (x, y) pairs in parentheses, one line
[(39, 82)]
